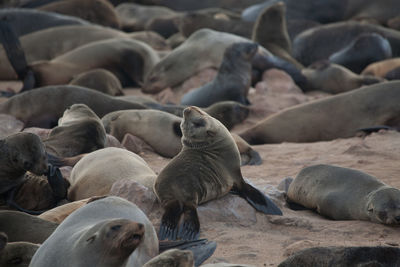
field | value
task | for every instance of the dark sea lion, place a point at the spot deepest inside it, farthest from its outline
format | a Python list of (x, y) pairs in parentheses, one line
[(106, 225), (20, 226), (79, 131), (28, 106), (129, 60), (344, 256), (270, 31), (100, 80), (17, 254), (328, 118), (345, 194), (367, 48), (96, 11), (21, 19), (212, 157), (334, 79), (381, 68), (94, 174), (310, 45), (232, 81)]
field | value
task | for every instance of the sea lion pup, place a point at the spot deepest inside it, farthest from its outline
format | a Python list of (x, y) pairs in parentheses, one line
[(134, 17), (328, 118), (96, 11), (232, 81), (334, 79), (27, 106), (270, 31), (21, 20), (207, 168), (100, 80), (310, 45), (345, 194), (344, 256), (204, 49), (20, 226), (172, 258), (129, 60), (79, 131), (93, 175), (367, 48), (16, 253), (381, 68), (111, 224)]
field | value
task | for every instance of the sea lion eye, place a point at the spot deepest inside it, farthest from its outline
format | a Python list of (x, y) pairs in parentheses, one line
[(116, 227), (137, 237), (91, 239), (15, 261)]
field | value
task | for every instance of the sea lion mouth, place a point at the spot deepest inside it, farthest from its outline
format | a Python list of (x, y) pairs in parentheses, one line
[(132, 241)]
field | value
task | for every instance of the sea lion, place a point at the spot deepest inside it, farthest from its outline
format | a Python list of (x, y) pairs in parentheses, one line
[(345, 194), (132, 238), (20, 226), (93, 175), (99, 79), (204, 49), (381, 68), (79, 131), (367, 48), (232, 81), (17, 254), (22, 20), (334, 79), (27, 106), (172, 258), (394, 74), (328, 118), (310, 45), (129, 60), (207, 168), (96, 11)]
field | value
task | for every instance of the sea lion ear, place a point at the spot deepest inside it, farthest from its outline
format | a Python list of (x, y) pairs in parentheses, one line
[(91, 239), (370, 207), (211, 133)]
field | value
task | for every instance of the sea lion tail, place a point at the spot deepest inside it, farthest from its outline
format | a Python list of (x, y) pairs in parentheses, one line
[(202, 248), (257, 199), (16, 55)]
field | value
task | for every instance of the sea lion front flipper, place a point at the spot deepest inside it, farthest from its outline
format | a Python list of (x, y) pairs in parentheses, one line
[(170, 220), (56, 182), (11, 203), (257, 199), (374, 129), (190, 228), (255, 158)]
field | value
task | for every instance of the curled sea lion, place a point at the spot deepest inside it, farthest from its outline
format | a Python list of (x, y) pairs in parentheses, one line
[(96, 11), (28, 107), (334, 79), (99, 79), (113, 231), (209, 165), (308, 122), (232, 81), (367, 48), (79, 131), (382, 68), (345, 194), (95, 173)]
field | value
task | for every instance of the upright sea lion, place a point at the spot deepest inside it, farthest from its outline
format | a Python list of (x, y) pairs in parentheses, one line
[(207, 168), (232, 81), (345, 194), (328, 118), (99, 79), (367, 48), (334, 79), (310, 45), (381, 68), (100, 234), (95, 173), (129, 60), (20, 226), (22, 20), (27, 106), (96, 11), (79, 131)]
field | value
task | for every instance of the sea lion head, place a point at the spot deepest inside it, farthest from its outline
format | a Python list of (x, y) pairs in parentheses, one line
[(17, 254), (74, 113), (27, 152), (243, 50), (229, 113), (200, 129), (114, 239), (384, 205)]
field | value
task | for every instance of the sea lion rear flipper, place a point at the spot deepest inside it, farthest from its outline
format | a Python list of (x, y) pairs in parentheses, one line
[(373, 129), (190, 227), (255, 158), (257, 199), (170, 220), (56, 182)]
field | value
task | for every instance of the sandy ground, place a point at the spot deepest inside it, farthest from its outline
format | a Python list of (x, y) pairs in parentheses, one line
[(248, 237)]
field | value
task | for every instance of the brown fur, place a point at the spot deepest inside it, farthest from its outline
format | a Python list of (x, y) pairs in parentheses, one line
[(99, 79)]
